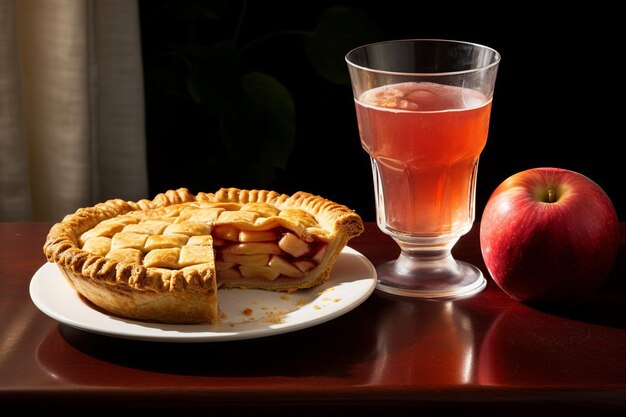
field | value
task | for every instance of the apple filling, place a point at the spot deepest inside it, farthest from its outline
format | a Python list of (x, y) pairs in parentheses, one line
[(264, 254)]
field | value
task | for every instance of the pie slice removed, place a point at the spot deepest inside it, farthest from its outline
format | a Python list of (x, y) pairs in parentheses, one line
[(164, 259)]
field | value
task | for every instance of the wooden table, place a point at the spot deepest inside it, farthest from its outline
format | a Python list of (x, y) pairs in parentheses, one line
[(481, 355)]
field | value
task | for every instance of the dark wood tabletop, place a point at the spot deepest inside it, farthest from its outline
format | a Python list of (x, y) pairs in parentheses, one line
[(483, 355)]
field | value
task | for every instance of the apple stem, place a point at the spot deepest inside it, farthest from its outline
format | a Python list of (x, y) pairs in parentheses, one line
[(551, 195)]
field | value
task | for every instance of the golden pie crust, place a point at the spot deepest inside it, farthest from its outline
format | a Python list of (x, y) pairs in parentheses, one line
[(164, 259)]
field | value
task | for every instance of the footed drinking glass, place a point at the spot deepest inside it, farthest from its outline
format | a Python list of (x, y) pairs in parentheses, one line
[(423, 108)]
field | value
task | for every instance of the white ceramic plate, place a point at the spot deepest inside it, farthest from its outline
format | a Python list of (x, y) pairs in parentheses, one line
[(248, 313)]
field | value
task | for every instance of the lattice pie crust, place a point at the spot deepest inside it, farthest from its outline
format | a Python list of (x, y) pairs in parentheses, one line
[(164, 259)]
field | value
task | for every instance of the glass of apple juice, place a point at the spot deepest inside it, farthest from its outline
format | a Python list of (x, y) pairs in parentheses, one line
[(423, 109)]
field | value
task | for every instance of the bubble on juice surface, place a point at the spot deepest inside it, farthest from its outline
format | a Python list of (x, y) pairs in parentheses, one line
[(472, 98), (386, 96), (421, 96)]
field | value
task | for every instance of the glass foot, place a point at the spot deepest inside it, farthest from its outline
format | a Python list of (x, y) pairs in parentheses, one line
[(439, 278)]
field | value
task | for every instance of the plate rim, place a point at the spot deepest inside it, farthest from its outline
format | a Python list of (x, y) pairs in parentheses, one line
[(125, 326)]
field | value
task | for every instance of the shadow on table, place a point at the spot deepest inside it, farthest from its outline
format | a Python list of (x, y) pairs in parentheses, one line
[(365, 345), (305, 352), (607, 307), (328, 349)]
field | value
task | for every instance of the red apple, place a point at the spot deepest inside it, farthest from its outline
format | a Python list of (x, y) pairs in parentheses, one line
[(549, 235)]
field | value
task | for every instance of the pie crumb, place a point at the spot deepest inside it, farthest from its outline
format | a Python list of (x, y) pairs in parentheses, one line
[(301, 302), (326, 290), (275, 317)]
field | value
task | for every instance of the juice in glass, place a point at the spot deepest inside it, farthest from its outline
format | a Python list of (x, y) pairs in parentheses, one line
[(424, 140)]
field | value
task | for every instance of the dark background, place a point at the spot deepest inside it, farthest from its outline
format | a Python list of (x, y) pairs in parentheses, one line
[(557, 99)]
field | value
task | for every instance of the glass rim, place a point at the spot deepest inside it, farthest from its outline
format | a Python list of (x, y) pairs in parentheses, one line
[(496, 61)]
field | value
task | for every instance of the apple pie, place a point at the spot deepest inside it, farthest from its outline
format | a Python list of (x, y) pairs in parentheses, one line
[(164, 259)]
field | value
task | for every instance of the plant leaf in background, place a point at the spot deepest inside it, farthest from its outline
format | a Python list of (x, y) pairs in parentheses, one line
[(246, 115), (259, 134), (213, 75), (339, 30)]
